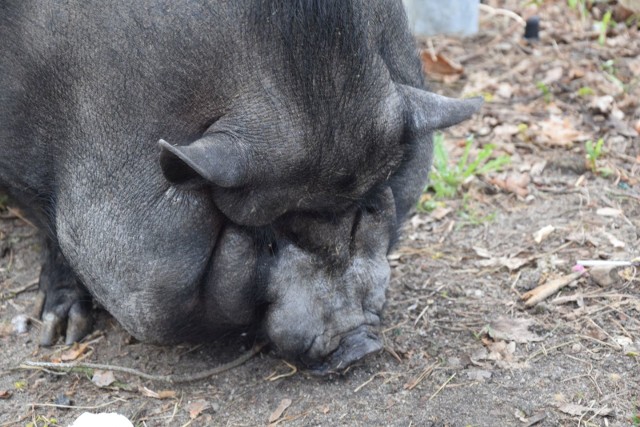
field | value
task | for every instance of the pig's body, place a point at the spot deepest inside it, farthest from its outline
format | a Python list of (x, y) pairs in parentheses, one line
[(298, 137)]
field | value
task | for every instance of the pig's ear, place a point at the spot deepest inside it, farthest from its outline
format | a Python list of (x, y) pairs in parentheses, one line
[(430, 111), (213, 159)]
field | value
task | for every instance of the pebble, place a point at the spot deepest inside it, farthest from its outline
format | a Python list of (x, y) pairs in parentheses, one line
[(20, 324)]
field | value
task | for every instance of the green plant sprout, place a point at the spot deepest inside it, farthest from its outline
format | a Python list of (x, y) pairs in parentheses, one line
[(546, 92), (603, 27), (445, 180), (585, 91), (593, 154), (580, 5)]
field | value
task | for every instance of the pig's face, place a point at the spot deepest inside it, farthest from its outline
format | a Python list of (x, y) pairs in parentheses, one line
[(327, 287)]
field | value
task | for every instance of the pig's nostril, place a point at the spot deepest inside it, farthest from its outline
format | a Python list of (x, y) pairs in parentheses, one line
[(353, 347)]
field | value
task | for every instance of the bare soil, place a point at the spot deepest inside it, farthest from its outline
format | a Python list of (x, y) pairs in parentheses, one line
[(461, 346)]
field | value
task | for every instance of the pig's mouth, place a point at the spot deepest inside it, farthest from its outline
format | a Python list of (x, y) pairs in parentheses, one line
[(354, 346)]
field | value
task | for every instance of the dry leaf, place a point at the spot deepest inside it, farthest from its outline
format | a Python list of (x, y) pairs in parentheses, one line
[(103, 378), (559, 132), (5, 394), (602, 104), (74, 352), (510, 329), (513, 264), (5, 329), (553, 75), (196, 408), (579, 410), (439, 66), (515, 183), (478, 374), (162, 394), (481, 252), (275, 415), (440, 212), (543, 233)]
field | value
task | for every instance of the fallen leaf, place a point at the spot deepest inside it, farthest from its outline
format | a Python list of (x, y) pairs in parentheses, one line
[(275, 415), (196, 408), (513, 264), (440, 212), (482, 252), (501, 351), (558, 132), (103, 378), (5, 394), (162, 394), (478, 374), (440, 67), (514, 182), (580, 410), (602, 104), (6, 329), (543, 233), (74, 352), (553, 75), (511, 329)]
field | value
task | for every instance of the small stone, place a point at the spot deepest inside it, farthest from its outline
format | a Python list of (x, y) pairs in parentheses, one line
[(603, 276), (20, 324)]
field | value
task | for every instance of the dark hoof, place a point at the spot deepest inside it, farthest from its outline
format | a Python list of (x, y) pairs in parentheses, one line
[(353, 347), (63, 303)]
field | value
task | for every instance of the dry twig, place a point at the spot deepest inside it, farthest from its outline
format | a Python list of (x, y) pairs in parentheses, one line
[(164, 378), (543, 292)]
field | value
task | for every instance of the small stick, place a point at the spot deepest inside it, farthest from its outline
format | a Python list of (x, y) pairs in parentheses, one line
[(504, 12), (543, 292), (442, 386), (21, 217), (164, 378), (603, 263), (53, 405), (25, 288)]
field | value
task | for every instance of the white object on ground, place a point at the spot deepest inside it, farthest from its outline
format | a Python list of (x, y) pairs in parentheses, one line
[(101, 420)]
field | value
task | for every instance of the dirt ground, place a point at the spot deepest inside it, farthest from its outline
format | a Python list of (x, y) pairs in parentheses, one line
[(462, 348)]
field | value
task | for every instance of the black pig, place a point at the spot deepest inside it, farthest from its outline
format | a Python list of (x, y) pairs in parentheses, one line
[(205, 165)]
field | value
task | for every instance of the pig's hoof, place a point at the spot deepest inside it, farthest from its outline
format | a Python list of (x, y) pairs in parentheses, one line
[(63, 303), (353, 347), (78, 322)]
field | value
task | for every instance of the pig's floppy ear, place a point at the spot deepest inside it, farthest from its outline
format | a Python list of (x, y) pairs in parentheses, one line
[(214, 159), (430, 111)]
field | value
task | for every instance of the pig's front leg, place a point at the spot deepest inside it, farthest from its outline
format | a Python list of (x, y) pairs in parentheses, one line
[(64, 304)]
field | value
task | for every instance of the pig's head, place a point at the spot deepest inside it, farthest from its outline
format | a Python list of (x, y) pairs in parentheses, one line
[(333, 223)]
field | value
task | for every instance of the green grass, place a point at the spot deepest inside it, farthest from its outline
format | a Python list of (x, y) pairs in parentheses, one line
[(447, 178), (593, 157), (603, 27), (546, 92)]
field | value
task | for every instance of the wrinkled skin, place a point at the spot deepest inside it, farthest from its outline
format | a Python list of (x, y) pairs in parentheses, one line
[(203, 166)]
